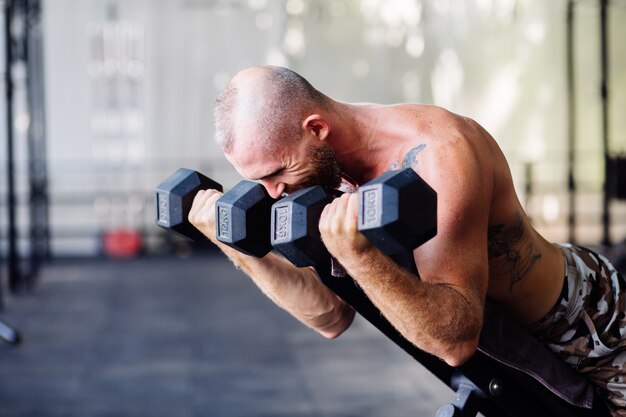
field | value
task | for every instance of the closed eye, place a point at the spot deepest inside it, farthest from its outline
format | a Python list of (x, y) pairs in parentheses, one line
[(272, 174)]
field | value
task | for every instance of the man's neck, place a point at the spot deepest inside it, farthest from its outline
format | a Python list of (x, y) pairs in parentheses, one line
[(357, 141)]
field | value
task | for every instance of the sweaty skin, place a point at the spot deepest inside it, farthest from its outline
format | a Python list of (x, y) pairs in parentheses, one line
[(485, 247)]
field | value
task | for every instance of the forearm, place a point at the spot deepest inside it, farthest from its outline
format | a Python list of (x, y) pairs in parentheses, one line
[(297, 290), (435, 317)]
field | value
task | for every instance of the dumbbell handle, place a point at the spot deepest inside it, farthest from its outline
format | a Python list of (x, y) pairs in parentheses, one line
[(336, 269)]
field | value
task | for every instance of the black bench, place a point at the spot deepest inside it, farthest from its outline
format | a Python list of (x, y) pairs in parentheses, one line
[(511, 373)]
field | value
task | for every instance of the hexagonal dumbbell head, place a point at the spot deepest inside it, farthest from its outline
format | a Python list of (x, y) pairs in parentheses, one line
[(173, 198), (398, 211), (243, 218), (295, 227)]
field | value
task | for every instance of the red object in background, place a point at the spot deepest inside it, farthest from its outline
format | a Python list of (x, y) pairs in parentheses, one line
[(122, 243)]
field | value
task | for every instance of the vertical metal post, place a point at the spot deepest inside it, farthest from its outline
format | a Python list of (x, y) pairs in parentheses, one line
[(38, 176), (7, 333), (12, 255), (571, 123), (608, 163)]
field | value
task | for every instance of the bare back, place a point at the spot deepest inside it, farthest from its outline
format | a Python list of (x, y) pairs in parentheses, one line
[(484, 238)]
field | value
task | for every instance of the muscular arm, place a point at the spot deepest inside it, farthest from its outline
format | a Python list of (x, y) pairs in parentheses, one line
[(441, 314), (441, 311), (297, 290), (436, 317)]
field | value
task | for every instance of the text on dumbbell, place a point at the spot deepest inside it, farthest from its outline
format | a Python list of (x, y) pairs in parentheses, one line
[(370, 207), (163, 208), (281, 224), (223, 220)]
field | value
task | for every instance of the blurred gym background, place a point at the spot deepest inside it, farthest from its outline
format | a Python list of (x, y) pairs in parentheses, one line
[(102, 99)]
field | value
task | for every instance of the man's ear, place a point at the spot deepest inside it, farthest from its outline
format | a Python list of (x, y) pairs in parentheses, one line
[(316, 124)]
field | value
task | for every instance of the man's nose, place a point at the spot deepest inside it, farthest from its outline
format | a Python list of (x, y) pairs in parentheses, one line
[(275, 190)]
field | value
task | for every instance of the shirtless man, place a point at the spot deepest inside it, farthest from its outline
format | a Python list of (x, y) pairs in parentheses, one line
[(274, 127)]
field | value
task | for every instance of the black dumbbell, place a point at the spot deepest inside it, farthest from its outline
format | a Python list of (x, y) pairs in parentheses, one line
[(243, 218), (173, 198), (242, 214), (397, 211), (295, 227)]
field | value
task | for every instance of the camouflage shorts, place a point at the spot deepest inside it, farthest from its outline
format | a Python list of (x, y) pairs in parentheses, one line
[(587, 326)]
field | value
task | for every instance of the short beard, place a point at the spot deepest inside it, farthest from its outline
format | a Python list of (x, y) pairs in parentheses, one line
[(325, 169)]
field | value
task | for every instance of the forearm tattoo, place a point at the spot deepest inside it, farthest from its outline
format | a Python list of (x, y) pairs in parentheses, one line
[(410, 159), (507, 243)]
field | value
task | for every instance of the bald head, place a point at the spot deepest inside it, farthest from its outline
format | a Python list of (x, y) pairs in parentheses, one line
[(272, 101)]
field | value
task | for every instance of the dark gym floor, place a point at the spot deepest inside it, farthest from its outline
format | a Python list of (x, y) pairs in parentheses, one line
[(191, 337)]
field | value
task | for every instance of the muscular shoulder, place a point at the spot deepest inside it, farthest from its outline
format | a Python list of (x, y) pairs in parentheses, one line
[(434, 125), (431, 114), (440, 139), (443, 147)]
